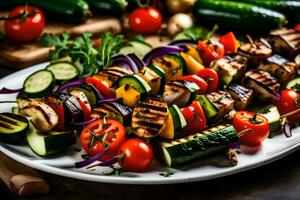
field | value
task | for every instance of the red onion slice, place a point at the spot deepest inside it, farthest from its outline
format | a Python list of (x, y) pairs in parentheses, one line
[(91, 159), (161, 51), (69, 85), (9, 91), (125, 61), (182, 43), (287, 129), (137, 61), (108, 100), (84, 123)]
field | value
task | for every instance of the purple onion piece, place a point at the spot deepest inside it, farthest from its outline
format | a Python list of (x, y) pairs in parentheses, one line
[(10, 91), (235, 145), (96, 91), (107, 163), (287, 129), (277, 96), (125, 61), (91, 159), (137, 61), (182, 43), (161, 51), (84, 123), (69, 85), (108, 100)]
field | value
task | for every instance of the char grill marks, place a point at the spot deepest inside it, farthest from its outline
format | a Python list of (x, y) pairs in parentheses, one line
[(148, 117), (112, 74), (263, 84), (241, 95), (285, 41)]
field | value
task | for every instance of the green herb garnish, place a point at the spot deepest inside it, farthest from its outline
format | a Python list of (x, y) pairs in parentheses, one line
[(254, 119), (166, 174)]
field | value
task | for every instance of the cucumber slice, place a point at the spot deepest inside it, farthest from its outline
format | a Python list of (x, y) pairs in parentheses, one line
[(39, 84), (63, 71), (273, 116), (197, 146), (140, 49), (136, 82), (13, 128), (51, 143), (179, 121), (209, 110), (293, 82)]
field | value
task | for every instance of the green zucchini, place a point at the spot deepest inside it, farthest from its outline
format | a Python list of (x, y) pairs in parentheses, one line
[(197, 146), (180, 62), (50, 143), (291, 9), (139, 48), (179, 121), (72, 11), (39, 84), (208, 108), (13, 128), (293, 82), (136, 82), (161, 74), (238, 16), (273, 116), (108, 7), (63, 71)]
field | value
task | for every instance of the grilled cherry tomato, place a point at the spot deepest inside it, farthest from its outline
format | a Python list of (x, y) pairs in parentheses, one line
[(257, 123), (59, 109), (230, 43), (25, 24), (194, 117), (136, 155), (103, 89), (96, 136), (211, 77), (145, 20), (290, 101), (198, 80), (210, 50)]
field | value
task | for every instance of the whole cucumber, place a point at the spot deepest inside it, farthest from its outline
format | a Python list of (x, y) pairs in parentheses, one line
[(71, 11), (108, 7), (291, 9), (238, 16)]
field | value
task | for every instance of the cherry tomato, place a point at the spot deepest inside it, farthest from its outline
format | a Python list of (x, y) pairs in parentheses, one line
[(297, 27), (230, 43), (98, 134), (210, 50), (289, 101), (27, 29), (136, 155), (198, 80), (257, 123), (59, 109), (103, 89), (194, 117), (145, 20), (211, 77)]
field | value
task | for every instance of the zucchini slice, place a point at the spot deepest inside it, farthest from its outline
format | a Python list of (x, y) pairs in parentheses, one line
[(63, 71), (179, 121), (39, 84), (51, 143), (197, 146), (139, 48), (136, 82), (293, 82), (273, 116), (13, 128)]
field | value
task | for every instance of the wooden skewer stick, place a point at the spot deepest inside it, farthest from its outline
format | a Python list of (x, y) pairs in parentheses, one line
[(290, 113), (251, 41), (8, 102)]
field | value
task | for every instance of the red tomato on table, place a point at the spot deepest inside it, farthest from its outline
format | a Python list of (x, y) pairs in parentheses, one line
[(290, 101), (27, 26)]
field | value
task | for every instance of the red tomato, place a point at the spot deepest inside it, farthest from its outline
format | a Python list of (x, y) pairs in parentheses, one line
[(297, 27), (198, 80), (28, 29), (103, 89), (210, 50), (145, 20), (230, 43), (136, 155), (194, 117), (59, 109), (94, 137), (257, 123), (211, 77), (289, 101)]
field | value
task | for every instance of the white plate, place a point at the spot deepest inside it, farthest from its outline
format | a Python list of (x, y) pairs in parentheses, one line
[(214, 167)]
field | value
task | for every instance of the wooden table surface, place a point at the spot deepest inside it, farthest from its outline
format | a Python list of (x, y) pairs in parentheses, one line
[(278, 180)]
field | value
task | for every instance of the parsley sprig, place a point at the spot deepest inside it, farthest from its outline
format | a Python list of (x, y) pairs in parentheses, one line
[(82, 52)]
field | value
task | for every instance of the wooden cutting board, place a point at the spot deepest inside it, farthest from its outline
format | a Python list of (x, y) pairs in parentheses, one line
[(18, 56)]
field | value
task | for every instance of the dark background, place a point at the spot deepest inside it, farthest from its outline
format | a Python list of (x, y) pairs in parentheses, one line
[(278, 180)]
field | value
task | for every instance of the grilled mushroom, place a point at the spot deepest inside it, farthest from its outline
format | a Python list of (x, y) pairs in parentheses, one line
[(285, 40), (280, 68), (230, 68), (241, 95), (264, 85), (255, 51), (222, 101), (148, 117)]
